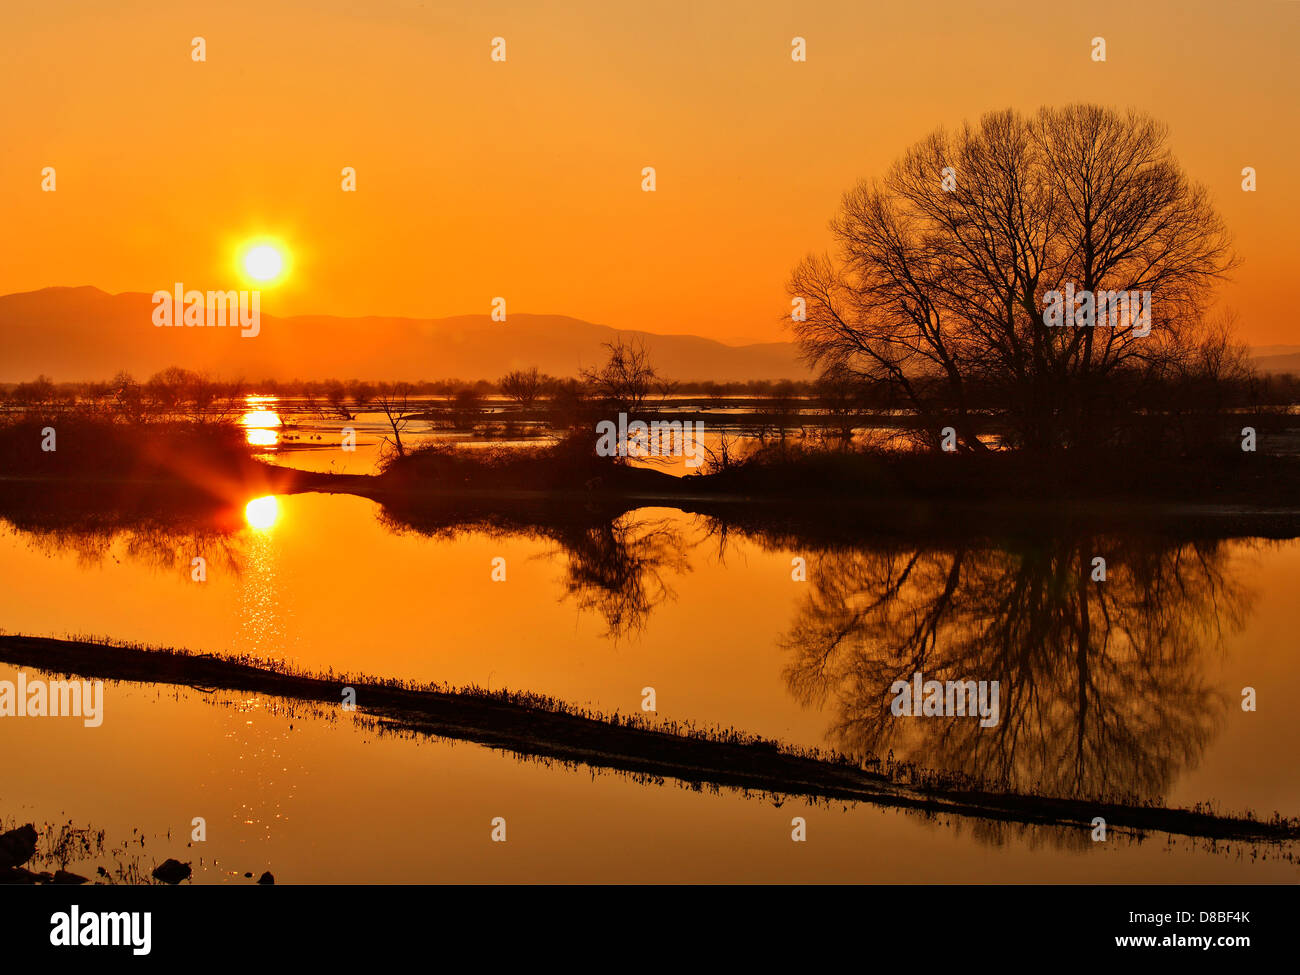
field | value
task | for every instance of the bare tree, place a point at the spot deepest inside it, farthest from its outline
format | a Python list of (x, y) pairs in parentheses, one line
[(627, 381), (779, 412), (40, 395), (395, 401), (524, 386), (841, 396), (336, 395), (938, 291), (127, 397), (568, 403), (360, 394), (467, 405)]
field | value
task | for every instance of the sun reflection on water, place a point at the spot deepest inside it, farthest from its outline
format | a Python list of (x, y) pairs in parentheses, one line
[(260, 422), (262, 513), (261, 605)]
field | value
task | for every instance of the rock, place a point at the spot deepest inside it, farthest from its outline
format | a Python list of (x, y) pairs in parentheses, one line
[(266, 878), (68, 877), (17, 846), (171, 871), (17, 875)]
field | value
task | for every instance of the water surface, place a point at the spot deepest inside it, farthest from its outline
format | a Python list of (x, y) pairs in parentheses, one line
[(595, 612)]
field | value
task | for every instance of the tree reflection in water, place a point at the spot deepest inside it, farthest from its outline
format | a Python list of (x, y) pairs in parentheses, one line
[(1102, 684)]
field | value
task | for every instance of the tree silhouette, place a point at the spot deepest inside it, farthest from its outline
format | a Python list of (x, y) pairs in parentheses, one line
[(628, 380), (524, 386), (939, 289)]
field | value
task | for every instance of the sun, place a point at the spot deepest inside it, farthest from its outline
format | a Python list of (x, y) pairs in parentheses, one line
[(264, 261)]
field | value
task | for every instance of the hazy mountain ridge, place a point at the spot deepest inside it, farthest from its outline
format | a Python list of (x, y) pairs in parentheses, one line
[(1277, 363), (85, 333)]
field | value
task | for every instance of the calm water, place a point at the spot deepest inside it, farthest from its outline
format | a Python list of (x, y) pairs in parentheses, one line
[(594, 613), (294, 436)]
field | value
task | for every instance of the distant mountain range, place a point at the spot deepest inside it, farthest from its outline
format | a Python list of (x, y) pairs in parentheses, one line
[(85, 333), (1277, 358)]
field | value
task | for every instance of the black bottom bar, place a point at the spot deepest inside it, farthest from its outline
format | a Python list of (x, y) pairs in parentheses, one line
[(672, 925)]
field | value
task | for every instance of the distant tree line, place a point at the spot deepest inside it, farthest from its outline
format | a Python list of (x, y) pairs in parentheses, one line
[(1178, 395)]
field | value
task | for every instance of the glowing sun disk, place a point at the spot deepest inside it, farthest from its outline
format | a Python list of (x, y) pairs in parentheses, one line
[(266, 262)]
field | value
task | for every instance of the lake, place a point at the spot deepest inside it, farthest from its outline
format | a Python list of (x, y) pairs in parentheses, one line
[(722, 628)]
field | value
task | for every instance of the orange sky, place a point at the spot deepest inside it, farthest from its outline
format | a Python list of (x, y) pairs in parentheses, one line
[(522, 179)]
